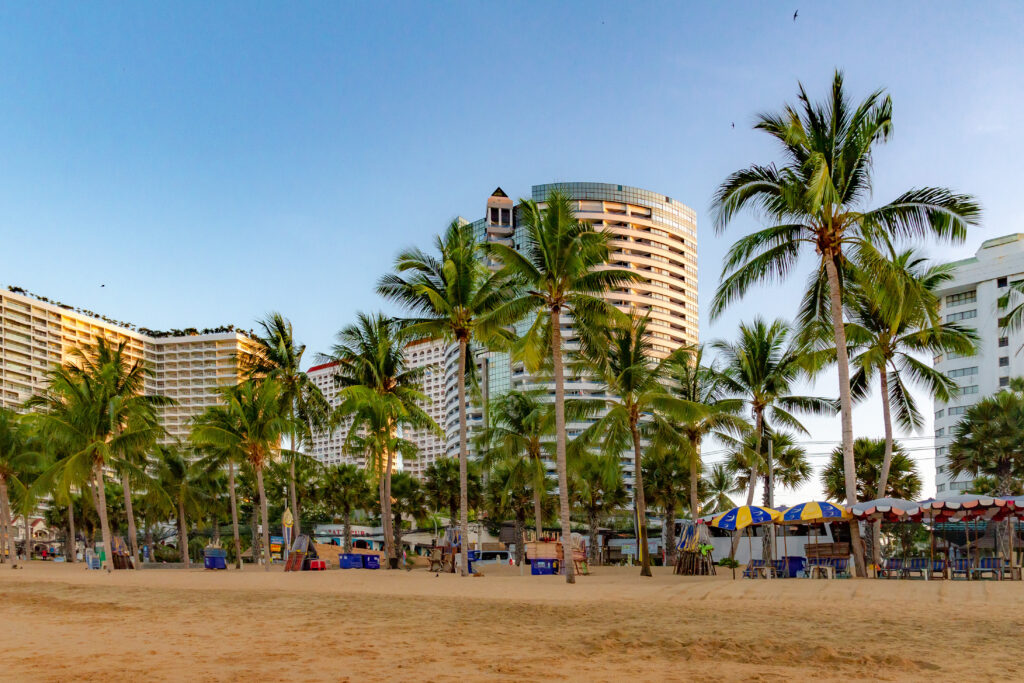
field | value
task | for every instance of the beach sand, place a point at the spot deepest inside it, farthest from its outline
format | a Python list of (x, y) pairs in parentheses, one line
[(61, 622)]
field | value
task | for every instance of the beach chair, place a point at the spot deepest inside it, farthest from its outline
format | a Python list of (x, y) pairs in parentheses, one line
[(938, 569), (891, 566), (436, 560), (918, 565), (780, 568), (819, 567), (960, 566), (991, 566), (841, 566), (754, 567)]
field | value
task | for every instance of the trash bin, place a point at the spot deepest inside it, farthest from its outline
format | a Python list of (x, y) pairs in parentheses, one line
[(350, 561), (371, 562), (540, 567), (794, 565), (214, 562)]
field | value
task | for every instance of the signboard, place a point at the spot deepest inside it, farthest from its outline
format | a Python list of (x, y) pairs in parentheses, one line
[(276, 542), (629, 547)]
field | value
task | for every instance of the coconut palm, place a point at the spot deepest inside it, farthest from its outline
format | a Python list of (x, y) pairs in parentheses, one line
[(904, 480), (407, 499), (720, 482), (667, 486), (761, 368), (509, 495), (790, 467), (989, 440), (95, 415), (442, 483), (455, 297), (252, 424), (520, 426), (816, 201), (381, 393), (598, 490), (618, 356), (276, 354), (346, 489), (561, 266), (18, 456), (179, 481), (891, 320), (704, 386)]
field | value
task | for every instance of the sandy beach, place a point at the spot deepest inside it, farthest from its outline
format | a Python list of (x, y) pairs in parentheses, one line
[(61, 622)]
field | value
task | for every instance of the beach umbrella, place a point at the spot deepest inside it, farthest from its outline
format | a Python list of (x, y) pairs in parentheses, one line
[(887, 510), (743, 517), (814, 512)]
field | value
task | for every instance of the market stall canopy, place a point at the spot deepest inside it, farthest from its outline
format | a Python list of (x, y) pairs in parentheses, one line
[(887, 510), (814, 512)]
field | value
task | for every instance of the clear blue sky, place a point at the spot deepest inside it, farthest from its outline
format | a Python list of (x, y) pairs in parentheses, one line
[(210, 162)]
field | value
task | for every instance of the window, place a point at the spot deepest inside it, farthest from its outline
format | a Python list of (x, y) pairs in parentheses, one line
[(1004, 341), (1004, 381), (939, 413), (969, 389), (962, 315), (939, 488), (959, 485), (1001, 282), (964, 372), (968, 297), (957, 410), (941, 431), (1004, 361), (942, 450)]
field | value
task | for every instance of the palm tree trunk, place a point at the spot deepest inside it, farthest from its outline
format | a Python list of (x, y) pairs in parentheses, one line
[(538, 517), (347, 522), (641, 505), (72, 555), (264, 519), (254, 524), (291, 479), (754, 474), (182, 535), (133, 541), (883, 480), (234, 514), (7, 549), (385, 513), (845, 407), (463, 463), (520, 532), (560, 464), (101, 510), (670, 535), (398, 535), (28, 535), (592, 525), (694, 480)]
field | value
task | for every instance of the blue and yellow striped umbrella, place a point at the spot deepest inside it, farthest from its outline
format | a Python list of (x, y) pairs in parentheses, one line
[(744, 516), (814, 512)]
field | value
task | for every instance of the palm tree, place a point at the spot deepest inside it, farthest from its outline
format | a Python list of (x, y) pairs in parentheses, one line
[(382, 394), (761, 368), (562, 268), (890, 320), (180, 481), (720, 482), (18, 456), (346, 490), (509, 494), (442, 482), (790, 467), (253, 423), (987, 441), (816, 201), (279, 356), (666, 485), (904, 480), (407, 498), (519, 427), (95, 415), (704, 386), (637, 405), (598, 490), (455, 297)]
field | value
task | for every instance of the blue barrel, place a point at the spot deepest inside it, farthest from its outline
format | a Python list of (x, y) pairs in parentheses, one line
[(473, 555), (371, 561), (350, 561), (214, 563)]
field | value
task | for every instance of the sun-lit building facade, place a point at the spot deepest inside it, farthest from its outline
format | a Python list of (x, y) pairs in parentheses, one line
[(37, 335)]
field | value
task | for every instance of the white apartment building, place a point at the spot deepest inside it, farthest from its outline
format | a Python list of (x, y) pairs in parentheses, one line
[(328, 448), (37, 335), (971, 298)]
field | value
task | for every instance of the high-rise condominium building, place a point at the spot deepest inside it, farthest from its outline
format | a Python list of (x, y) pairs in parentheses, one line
[(328, 447), (972, 299), (652, 235), (37, 335)]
